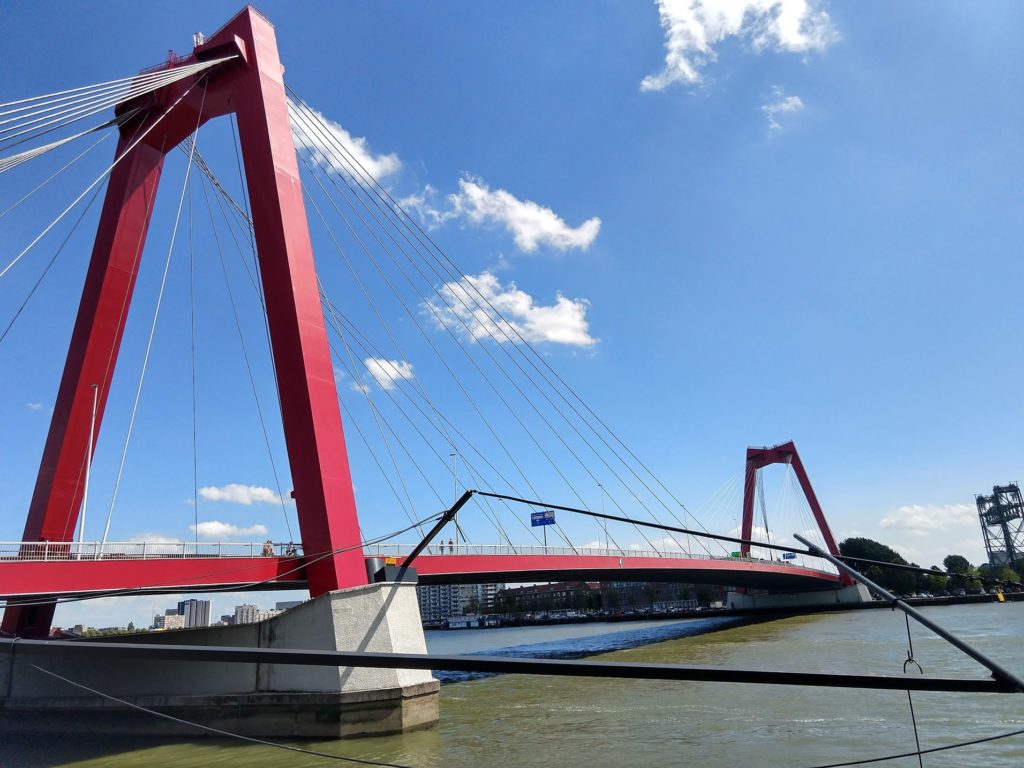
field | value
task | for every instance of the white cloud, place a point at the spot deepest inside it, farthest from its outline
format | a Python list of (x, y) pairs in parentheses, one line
[(34, 406), (926, 533), (321, 142), (921, 519), (215, 530), (564, 322), (693, 28), (387, 373), (154, 538), (240, 494), (781, 104), (156, 544), (422, 204), (531, 224)]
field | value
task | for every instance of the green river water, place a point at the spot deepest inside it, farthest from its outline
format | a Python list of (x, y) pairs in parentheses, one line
[(576, 723)]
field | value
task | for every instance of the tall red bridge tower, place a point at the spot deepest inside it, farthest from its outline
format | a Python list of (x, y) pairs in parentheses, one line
[(251, 86)]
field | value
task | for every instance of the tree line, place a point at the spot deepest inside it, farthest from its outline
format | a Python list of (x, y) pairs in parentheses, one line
[(956, 573)]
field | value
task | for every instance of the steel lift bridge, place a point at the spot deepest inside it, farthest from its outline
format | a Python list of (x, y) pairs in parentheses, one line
[(237, 72)]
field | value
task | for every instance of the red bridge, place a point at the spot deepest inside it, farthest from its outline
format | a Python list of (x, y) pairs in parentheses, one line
[(237, 71), (56, 570)]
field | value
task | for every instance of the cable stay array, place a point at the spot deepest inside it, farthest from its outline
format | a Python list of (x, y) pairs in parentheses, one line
[(441, 389), (436, 297), (28, 119)]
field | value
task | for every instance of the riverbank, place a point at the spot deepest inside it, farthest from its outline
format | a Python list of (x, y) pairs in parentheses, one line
[(493, 621)]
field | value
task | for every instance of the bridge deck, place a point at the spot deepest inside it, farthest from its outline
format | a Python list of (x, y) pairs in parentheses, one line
[(61, 569)]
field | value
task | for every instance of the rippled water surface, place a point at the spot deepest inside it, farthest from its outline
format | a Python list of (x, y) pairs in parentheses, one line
[(539, 721)]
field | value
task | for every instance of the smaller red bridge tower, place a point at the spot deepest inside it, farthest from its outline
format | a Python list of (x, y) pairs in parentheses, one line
[(784, 453)]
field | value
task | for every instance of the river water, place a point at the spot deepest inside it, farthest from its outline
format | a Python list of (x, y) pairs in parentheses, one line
[(498, 721)]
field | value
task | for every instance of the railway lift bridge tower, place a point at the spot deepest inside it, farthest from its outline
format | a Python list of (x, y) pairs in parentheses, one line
[(1002, 523)]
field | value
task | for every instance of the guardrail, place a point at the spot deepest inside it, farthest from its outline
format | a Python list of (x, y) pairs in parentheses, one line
[(400, 550), (141, 550), (148, 550)]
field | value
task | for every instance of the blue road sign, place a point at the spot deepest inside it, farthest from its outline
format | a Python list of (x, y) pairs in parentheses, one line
[(547, 517), (789, 555)]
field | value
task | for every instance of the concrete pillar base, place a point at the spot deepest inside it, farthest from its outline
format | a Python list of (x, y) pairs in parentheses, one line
[(857, 593), (270, 700)]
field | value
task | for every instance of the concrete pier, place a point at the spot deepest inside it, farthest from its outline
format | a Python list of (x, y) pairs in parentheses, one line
[(268, 700), (857, 593)]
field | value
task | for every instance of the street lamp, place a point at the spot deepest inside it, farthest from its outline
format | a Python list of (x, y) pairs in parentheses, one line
[(455, 475), (88, 469)]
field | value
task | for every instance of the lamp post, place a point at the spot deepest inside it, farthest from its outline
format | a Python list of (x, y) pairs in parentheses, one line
[(455, 475), (604, 521), (88, 468)]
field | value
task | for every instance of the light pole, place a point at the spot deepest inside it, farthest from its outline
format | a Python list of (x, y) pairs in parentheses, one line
[(455, 475), (601, 487), (88, 468)]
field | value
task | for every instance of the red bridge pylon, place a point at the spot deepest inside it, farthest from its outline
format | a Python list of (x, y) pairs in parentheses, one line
[(784, 453), (252, 87)]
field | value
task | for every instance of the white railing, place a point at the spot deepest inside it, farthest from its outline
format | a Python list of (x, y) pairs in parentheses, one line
[(149, 550), (400, 550), (141, 550)]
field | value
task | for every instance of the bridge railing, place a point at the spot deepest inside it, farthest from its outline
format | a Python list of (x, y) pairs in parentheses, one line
[(400, 550), (141, 550), (148, 550)]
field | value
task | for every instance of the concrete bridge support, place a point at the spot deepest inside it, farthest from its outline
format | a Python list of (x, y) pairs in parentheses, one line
[(857, 593), (264, 700)]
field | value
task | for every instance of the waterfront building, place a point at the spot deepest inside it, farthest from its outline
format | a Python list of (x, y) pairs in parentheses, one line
[(610, 596), (250, 614), (196, 612), (439, 602), (478, 598), (246, 614), (169, 621), (578, 595)]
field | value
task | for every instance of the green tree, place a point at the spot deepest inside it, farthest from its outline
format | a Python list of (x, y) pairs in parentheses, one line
[(901, 582), (958, 567), (1007, 574), (938, 581), (956, 564)]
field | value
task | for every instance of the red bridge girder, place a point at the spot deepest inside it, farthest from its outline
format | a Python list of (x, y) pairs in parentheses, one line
[(22, 578)]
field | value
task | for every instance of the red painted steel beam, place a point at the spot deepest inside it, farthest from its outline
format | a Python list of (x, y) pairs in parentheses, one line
[(475, 569), (110, 280), (252, 87), (171, 574), (324, 498), (785, 453), (20, 578)]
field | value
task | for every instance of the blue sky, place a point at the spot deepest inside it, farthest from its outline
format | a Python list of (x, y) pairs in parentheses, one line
[(722, 228)]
